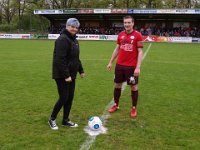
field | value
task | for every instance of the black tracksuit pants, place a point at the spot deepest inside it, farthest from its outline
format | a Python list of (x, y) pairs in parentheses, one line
[(66, 95)]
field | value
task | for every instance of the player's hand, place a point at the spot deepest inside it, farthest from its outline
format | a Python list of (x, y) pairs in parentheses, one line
[(137, 72), (82, 75), (109, 67), (69, 79)]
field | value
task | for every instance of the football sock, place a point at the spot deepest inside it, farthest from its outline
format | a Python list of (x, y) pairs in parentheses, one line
[(117, 94), (134, 96)]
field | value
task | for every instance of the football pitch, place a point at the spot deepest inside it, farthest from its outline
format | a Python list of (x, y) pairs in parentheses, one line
[(168, 106)]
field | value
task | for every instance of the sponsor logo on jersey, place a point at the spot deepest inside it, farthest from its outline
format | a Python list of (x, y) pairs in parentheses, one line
[(127, 47), (122, 36), (132, 37)]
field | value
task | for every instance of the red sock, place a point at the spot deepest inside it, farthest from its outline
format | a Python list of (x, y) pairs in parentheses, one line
[(117, 94), (134, 96)]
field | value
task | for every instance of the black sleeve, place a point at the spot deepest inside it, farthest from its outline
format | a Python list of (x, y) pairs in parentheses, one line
[(80, 70), (61, 47)]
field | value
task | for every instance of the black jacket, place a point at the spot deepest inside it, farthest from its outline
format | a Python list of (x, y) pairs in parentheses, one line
[(66, 60)]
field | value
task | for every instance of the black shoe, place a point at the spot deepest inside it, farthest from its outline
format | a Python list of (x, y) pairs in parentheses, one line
[(69, 124), (52, 124)]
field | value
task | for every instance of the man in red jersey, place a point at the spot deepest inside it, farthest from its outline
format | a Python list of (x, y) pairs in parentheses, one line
[(129, 57)]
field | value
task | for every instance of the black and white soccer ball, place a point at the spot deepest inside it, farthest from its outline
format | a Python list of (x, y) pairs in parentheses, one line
[(95, 123)]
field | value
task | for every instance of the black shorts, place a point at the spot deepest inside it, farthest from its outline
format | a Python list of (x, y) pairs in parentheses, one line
[(125, 73)]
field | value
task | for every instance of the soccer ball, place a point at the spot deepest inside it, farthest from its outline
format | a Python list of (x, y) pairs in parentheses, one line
[(95, 123)]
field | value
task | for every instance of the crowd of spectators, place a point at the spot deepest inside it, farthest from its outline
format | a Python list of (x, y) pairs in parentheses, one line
[(176, 31), (56, 29), (98, 30), (163, 31)]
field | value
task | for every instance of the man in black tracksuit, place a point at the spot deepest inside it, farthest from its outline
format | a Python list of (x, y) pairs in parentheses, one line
[(66, 64)]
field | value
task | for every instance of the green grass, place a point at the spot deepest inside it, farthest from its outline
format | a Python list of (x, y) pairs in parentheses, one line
[(168, 107)]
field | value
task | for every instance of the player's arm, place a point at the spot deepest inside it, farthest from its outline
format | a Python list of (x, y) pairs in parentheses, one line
[(140, 56), (139, 61), (81, 71), (113, 57)]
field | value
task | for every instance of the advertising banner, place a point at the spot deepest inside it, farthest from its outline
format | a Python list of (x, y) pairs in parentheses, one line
[(167, 39), (53, 36), (48, 11), (180, 39), (155, 39), (119, 11), (70, 11), (86, 11), (102, 11), (15, 36), (101, 37), (112, 37), (196, 40), (197, 11), (166, 11), (39, 36), (145, 38), (185, 11), (142, 11), (87, 37)]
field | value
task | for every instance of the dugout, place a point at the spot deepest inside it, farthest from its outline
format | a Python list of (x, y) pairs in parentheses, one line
[(106, 18)]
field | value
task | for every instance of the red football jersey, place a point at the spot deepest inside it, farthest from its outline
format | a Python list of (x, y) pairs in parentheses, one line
[(129, 44)]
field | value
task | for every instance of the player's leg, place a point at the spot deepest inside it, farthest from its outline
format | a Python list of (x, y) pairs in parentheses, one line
[(67, 106), (63, 88), (134, 96), (133, 82), (119, 79), (117, 94)]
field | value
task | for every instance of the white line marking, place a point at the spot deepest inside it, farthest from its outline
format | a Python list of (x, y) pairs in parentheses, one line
[(90, 139), (88, 142), (148, 48)]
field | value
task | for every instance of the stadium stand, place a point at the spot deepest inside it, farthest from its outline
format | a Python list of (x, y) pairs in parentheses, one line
[(159, 31), (159, 22)]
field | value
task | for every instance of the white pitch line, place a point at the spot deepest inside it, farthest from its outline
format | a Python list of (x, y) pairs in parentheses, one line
[(90, 139), (148, 48)]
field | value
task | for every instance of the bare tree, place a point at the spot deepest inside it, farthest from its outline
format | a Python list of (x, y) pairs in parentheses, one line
[(196, 3), (114, 3), (58, 4), (149, 3), (127, 3), (66, 3), (189, 4), (8, 10), (0, 12)]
